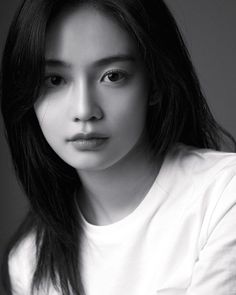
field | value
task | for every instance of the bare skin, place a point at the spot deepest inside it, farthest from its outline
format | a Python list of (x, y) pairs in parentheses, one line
[(85, 94)]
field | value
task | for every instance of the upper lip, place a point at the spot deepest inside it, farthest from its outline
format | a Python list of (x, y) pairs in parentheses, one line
[(91, 135)]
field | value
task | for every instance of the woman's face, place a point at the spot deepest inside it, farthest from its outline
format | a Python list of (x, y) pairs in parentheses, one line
[(93, 104)]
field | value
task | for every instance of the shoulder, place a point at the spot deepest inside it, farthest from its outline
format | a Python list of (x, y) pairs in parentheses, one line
[(204, 158), (21, 264), (202, 182), (200, 194), (201, 165)]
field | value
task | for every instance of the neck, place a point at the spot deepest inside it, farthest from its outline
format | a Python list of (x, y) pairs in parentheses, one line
[(111, 194)]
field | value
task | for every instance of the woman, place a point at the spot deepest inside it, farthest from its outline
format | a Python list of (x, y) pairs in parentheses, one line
[(115, 147)]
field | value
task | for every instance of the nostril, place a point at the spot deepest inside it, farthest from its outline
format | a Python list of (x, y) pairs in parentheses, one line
[(92, 118), (95, 118)]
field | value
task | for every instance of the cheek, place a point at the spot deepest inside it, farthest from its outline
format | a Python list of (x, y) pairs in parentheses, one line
[(128, 109), (48, 114), (51, 103)]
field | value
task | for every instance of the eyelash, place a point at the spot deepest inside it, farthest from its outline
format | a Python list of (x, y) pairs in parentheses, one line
[(121, 72), (50, 76), (124, 76)]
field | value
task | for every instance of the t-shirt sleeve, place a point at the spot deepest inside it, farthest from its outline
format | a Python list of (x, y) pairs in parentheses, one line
[(215, 270), (17, 285), (21, 265)]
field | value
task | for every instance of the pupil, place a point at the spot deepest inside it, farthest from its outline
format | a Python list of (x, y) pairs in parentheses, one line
[(113, 77), (55, 80)]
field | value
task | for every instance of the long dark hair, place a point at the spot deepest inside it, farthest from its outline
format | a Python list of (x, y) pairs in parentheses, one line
[(180, 114)]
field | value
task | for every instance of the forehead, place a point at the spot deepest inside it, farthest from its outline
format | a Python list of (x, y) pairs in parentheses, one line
[(86, 35)]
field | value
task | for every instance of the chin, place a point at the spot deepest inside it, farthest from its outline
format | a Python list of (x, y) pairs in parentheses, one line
[(89, 163), (94, 163)]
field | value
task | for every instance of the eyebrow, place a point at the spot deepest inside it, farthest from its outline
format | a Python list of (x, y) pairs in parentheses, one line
[(101, 62)]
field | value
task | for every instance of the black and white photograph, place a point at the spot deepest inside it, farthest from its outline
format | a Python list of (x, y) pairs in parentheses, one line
[(118, 147)]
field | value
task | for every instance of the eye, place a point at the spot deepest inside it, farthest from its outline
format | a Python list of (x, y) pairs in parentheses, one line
[(54, 81), (114, 76)]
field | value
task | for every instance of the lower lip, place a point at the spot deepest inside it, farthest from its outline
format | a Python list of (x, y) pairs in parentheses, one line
[(89, 144)]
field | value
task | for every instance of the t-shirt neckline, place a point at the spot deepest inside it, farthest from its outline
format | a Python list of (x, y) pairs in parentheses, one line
[(138, 213)]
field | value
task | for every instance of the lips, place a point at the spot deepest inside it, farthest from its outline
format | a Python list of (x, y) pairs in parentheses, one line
[(88, 142), (87, 136)]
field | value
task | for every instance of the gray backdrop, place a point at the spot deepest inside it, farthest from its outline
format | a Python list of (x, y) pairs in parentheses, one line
[(208, 27)]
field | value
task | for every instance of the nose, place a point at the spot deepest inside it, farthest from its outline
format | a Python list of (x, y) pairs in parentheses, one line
[(85, 106)]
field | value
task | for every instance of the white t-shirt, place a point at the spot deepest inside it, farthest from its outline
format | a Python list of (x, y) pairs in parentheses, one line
[(180, 240)]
